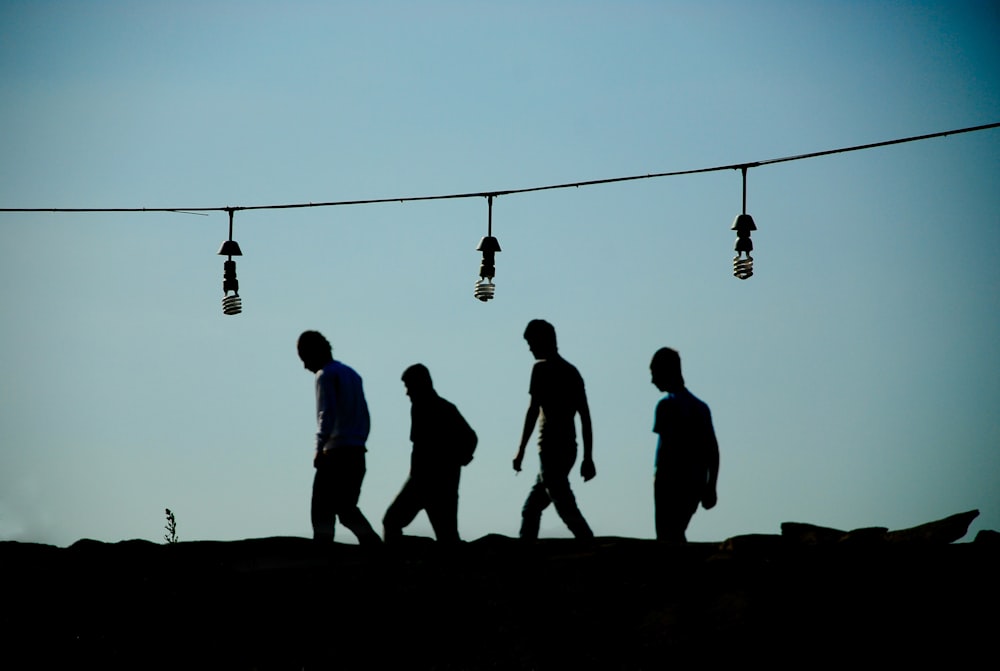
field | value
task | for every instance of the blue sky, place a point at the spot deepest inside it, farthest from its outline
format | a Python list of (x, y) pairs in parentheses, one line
[(853, 380)]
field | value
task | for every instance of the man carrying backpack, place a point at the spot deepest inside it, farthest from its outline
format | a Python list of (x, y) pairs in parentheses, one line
[(443, 442)]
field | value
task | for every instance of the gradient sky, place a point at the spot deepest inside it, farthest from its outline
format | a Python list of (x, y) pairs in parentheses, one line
[(853, 380)]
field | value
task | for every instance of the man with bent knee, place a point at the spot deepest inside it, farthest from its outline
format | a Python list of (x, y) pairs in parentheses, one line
[(443, 442)]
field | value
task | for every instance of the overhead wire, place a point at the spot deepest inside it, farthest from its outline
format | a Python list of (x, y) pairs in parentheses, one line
[(507, 192)]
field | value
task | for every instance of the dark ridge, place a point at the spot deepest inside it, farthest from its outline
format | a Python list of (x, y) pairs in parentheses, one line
[(809, 594)]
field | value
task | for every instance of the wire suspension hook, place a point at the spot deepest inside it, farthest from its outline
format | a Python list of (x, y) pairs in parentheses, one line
[(744, 169)]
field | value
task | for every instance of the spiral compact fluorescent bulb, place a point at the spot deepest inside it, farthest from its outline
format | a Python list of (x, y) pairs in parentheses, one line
[(485, 287), (232, 304)]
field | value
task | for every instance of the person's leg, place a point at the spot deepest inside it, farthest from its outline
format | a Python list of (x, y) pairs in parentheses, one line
[(555, 477), (675, 506), (531, 514), (349, 474), (402, 511), (322, 512), (442, 506)]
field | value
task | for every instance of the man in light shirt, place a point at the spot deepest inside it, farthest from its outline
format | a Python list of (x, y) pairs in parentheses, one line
[(342, 416)]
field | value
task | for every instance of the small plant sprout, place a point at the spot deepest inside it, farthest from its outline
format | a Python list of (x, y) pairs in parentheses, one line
[(171, 536)]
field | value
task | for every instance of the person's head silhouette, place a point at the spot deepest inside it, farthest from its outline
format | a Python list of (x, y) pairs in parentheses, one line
[(541, 337), (314, 350), (666, 370), (418, 381)]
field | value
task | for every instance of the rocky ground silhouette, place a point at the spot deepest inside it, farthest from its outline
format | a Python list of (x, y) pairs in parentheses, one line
[(808, 596)]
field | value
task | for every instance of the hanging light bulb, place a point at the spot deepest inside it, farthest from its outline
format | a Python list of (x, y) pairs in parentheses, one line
[(232, 304), (743, 262), (488, 246), (743, 225)]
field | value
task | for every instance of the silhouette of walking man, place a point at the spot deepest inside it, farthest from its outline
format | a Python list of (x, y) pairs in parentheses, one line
[(443, 442), (557, 395), (342, 415), (687, 453)]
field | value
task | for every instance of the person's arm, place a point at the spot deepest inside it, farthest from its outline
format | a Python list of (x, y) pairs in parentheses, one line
[(530, 418), (326, 409), (710, 498), (587, 468)]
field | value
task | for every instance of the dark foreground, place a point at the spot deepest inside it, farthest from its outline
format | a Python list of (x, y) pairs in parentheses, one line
[(800, 599)]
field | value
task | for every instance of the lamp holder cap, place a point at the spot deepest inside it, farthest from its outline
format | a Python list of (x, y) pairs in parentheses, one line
[(230, 248), (743, 222), (488, 244)]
